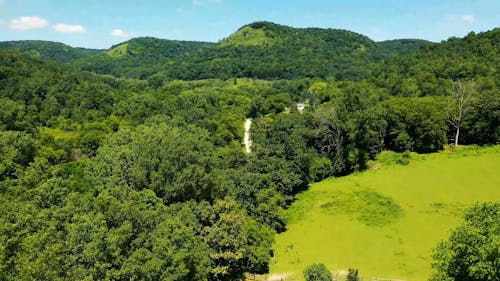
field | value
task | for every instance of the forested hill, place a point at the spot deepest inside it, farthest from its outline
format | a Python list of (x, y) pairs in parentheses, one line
[(267, 51), (49, 50), (140, 57), (389, 48), (259, 50), (136, 58), (430, 70)]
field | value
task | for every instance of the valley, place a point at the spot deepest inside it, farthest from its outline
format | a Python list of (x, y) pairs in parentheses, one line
[(273, 152)]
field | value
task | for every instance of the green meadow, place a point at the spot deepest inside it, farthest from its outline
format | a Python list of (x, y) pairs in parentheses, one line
[(386, 221)]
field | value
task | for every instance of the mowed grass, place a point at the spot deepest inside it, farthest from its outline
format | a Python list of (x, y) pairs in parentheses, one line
[(386, 221)]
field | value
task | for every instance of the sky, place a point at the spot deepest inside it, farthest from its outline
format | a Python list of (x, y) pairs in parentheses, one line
[(103, 23)]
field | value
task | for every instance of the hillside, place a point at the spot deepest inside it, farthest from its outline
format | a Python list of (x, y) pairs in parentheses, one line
[(430, 70), (139, 57), (54, 51), (266, 50), (389, 48), (262, 50), (386, 221)]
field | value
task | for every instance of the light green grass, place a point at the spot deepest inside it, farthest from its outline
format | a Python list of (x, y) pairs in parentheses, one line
[(386, 221), (248, 36), (118, 51)]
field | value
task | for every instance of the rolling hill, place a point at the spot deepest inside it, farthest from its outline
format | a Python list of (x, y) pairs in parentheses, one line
[(262, 50), (54, 51), (267, 50), (139, 57), (429, 70)]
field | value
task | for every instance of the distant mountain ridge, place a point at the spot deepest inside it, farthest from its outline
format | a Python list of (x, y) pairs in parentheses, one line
[(266, 50), (49, 50), (262, 50)]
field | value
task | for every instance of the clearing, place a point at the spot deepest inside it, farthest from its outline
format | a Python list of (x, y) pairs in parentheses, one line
[(386, 221)]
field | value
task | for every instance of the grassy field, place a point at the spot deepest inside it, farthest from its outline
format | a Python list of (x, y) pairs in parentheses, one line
[(387, 220)]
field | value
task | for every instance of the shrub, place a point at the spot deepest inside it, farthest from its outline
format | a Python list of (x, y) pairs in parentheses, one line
[(405, 158), (317, 272), (320, 168), (352, 275)]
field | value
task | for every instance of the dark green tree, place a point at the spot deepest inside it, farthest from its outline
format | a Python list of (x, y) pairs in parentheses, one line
[(317, 272), (352, 275), (472, 253)]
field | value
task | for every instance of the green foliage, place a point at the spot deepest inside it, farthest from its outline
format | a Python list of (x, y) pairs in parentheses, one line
[(104, 178), (49, 50), (247, 36), (352, 275), (11, 114), (367, 206), (17, 150), (415, 124), (237, 243), (472, 251), (139, 57), (268, 51), (387, 158), (434, 66), (317, 272), (482, 121), (320, 168), (403, 46), (176, 163)]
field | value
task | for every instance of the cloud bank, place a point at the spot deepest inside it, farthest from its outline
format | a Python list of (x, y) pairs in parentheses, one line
[(27, 23), (121, 33), (67, 28), (463, 18)]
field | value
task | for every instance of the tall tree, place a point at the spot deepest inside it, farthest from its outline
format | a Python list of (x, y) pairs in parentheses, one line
[(458, 104)]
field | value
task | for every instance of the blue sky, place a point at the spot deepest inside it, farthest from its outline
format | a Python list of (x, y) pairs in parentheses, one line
[(102, 23)]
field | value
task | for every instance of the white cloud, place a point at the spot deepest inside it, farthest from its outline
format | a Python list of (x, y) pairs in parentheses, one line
[(67, 28), (468, 18), (464, 18), (25, 23), (121, 33), (179, 10)]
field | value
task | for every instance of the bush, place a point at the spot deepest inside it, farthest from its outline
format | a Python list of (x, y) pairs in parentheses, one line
[(405, 158), (352, 275), (317, 272), (320, 168)]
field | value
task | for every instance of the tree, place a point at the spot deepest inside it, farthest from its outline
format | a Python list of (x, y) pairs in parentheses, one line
[(317, 272), (472, 253), (352, 275), (237, 243), (17, 150), (330, 135), (458, 104)]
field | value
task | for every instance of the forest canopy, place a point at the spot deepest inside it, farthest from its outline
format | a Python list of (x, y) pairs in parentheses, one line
[(129, 164)]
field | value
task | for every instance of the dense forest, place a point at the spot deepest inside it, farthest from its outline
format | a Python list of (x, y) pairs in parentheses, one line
[(261, 50), (128, 163)]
